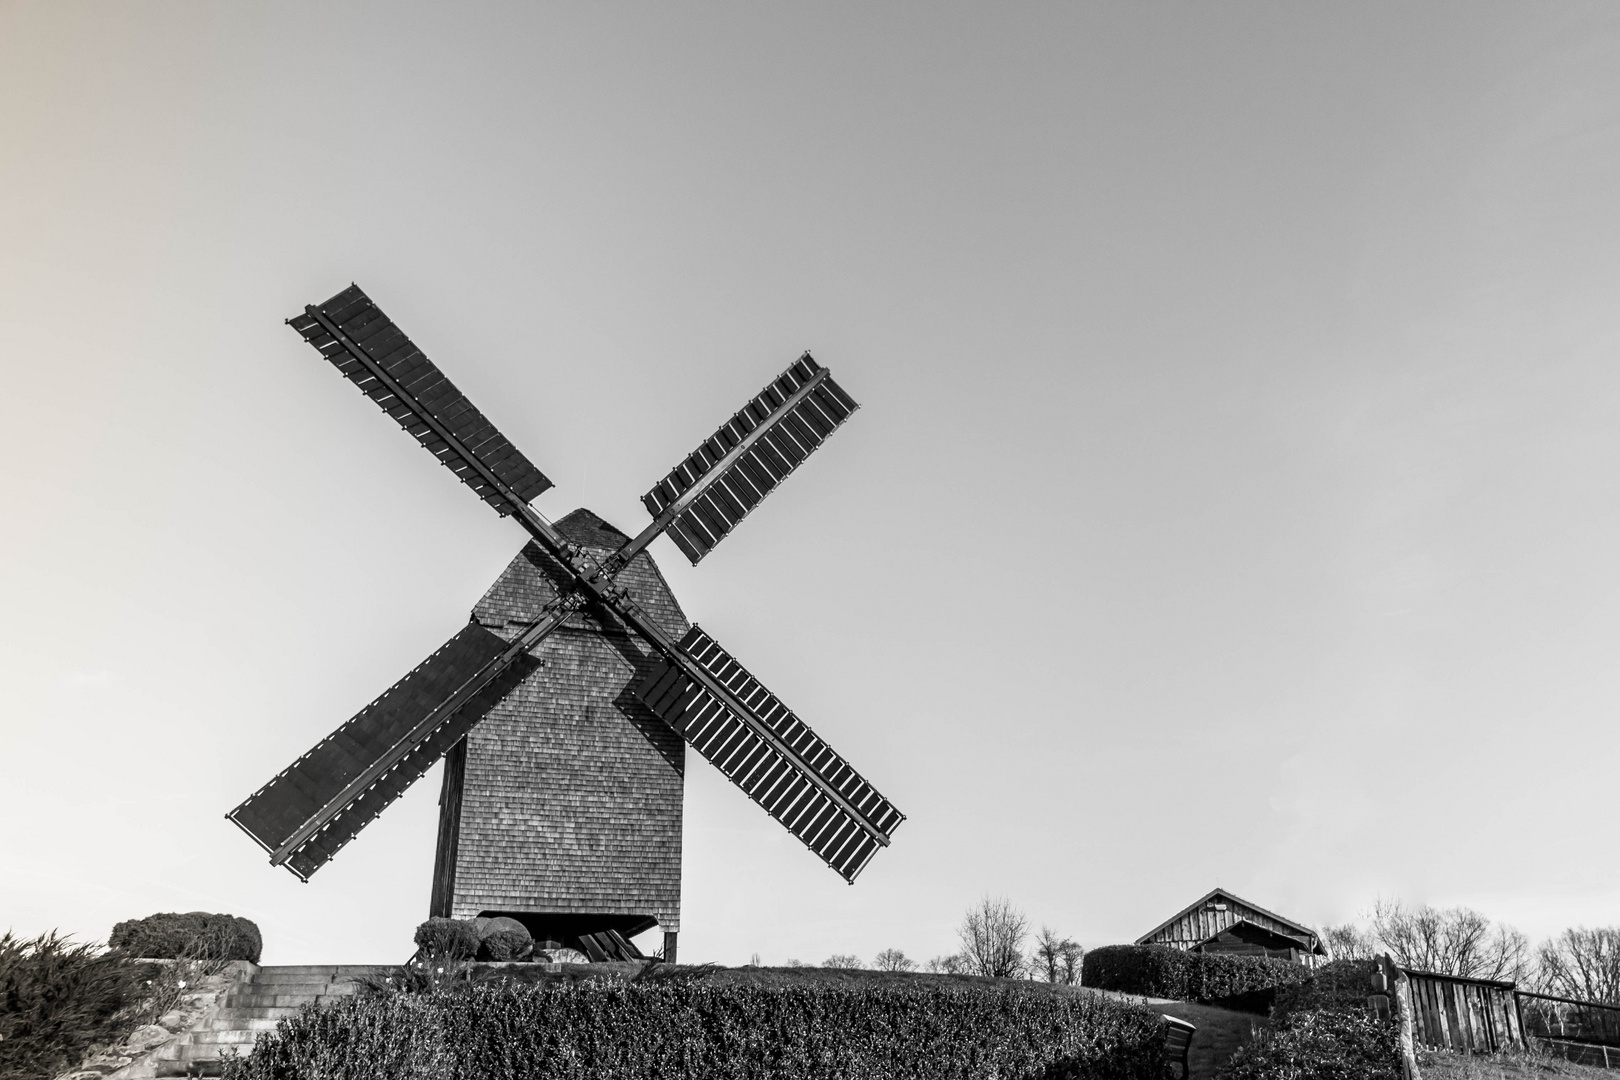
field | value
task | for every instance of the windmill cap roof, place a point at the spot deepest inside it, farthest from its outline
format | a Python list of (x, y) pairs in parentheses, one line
[(584, 527)]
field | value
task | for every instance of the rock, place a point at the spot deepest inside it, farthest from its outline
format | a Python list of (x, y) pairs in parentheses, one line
[(174, 1020), (85, 1074), (568, 956), (144, 1038)]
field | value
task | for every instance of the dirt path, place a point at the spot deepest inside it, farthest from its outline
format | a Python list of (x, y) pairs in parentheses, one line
[(1220, 1031)]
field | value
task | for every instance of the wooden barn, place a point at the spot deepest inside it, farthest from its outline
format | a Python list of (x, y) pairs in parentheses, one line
[(1218, 921)]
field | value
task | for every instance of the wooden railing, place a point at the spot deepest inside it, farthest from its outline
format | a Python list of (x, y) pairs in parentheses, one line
[(1581, 1031)]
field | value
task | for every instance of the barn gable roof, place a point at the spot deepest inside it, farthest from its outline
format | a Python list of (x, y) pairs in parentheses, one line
[(1307, 936)]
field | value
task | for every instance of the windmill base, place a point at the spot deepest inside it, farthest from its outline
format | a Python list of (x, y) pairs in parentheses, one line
[(599, 937)]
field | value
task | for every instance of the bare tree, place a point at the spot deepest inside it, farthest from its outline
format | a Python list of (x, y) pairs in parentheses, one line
[(893, 960), (955, 964), (841, 960), (1073, 954), (1348, 941), (992, 934), (1056, 958), (1453, 941), (1582, 964)]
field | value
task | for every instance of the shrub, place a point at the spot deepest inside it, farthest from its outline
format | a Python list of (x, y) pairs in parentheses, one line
[(448, 939), (1341, 986), (194, 935), (57, 999), (1157, 971), (1323, 1045), (693, 1028)]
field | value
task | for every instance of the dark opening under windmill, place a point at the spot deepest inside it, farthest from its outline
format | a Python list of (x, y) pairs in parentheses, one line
[(563, 708)]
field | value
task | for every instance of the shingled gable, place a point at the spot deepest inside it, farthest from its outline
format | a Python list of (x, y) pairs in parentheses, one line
[(1200, 923), (563, 807)]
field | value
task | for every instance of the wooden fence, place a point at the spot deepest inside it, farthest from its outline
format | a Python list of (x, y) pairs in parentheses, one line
[(1482, 1017), (1469, 1015)]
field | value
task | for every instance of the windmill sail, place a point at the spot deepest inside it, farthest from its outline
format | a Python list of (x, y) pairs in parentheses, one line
[(370, 351), (812, 791), (741, 463), (318, 803)]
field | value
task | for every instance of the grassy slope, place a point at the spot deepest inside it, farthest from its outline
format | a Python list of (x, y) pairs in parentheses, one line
[(1514, 1066)]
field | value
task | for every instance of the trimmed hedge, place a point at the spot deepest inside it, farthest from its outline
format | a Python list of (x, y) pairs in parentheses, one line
[(590, 1031), (1157, 971), (1322, 1044), (196, 934)]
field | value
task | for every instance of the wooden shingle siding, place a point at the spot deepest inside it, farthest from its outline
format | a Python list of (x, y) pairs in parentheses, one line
[(572, 788)]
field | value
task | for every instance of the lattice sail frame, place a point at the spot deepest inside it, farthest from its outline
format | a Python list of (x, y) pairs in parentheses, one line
[(729, 496), (276, 813), (422, 400), (844, 828)]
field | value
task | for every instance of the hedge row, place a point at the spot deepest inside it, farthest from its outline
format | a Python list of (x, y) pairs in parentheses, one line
[(1156, 971), (504, 1030), (194, 935)]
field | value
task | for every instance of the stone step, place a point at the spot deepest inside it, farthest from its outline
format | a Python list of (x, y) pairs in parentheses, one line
[(264, 978), (280, 995), (228, 1037), (303, 980), (336, 971), (245, 1023), (254, 1006), (259, 1012)]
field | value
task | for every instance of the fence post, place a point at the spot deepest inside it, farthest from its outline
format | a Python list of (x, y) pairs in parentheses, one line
[(1403, 1011)]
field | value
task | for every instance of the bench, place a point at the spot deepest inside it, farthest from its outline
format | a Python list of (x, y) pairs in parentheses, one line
[(1177, 1044)]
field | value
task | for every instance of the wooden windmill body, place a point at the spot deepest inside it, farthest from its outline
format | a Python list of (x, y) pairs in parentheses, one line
[(562, 807), (564, 707)]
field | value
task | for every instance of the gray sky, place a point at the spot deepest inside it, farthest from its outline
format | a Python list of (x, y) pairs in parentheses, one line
[(1234, 498)]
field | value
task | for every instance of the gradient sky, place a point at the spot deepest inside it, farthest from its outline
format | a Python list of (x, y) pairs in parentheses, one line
[(1235, 497)]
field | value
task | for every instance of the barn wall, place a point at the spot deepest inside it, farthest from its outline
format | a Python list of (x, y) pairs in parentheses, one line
[(1201, 924)]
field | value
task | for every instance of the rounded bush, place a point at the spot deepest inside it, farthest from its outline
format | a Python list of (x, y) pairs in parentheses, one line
[(453, 939), (193, 935)]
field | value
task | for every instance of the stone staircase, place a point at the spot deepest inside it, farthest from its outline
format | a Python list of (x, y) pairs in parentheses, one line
[(260, 998)]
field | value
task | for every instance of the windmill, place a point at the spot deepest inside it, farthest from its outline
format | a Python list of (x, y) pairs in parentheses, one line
[(563, 708)]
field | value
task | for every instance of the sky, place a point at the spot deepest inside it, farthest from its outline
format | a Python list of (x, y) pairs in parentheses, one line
[(1235, 497)]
